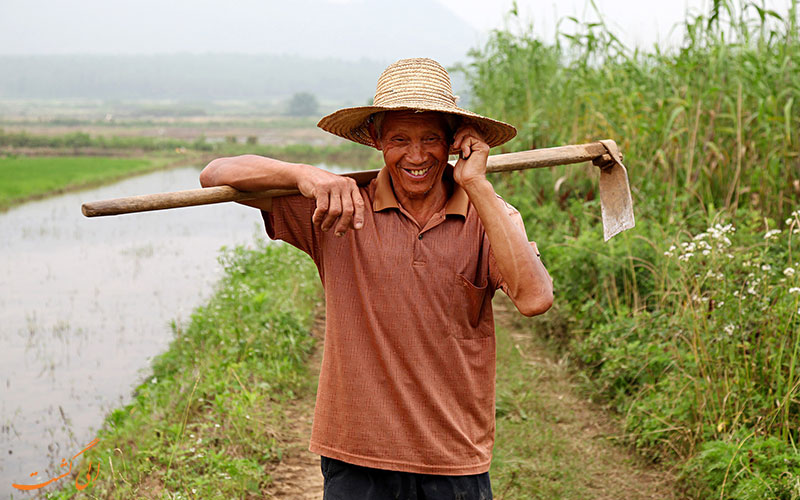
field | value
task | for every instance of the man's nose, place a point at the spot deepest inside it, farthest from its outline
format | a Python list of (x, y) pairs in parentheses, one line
[(415, 153)]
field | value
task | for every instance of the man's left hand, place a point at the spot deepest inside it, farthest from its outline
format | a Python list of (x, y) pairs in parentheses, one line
[(471, 164)]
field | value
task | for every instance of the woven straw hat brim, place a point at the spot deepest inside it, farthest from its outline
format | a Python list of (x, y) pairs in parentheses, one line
[(417, 84), (351, 123)]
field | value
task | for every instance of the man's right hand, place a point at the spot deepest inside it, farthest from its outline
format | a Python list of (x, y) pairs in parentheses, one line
[(339, 202)]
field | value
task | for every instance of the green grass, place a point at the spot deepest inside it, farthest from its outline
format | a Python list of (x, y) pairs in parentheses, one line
[(205, 423), (23, 177)]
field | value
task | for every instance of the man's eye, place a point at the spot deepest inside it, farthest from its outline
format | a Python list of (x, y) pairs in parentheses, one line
[(431, 139)]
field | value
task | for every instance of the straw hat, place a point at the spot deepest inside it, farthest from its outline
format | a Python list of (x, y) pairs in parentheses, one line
[(418, 84)]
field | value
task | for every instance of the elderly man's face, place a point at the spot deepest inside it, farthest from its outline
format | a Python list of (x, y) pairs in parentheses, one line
[(415, 149)]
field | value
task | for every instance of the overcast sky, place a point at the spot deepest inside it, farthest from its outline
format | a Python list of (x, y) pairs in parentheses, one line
[(350, 29)]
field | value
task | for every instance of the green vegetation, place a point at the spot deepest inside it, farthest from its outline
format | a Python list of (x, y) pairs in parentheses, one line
[(23, 178), (76, 141), (689, 325), (204, 424), (346, 154)]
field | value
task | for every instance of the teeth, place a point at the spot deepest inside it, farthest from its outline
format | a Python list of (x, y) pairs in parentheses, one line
[(420, 172)]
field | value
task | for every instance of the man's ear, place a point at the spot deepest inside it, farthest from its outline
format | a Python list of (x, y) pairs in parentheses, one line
[(374, 136)]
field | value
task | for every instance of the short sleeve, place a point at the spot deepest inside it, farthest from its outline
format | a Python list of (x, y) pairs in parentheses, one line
[(289, 220), (495, 278)]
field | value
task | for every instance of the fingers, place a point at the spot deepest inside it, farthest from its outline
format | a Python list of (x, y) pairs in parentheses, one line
[(469, 139), (322, 208), (333, 213), (339, 206)]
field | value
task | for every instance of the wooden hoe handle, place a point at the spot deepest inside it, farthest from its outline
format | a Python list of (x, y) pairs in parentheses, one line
[(535, 158)]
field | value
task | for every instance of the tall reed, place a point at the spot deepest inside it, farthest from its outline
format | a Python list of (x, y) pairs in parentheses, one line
[(715, 123)]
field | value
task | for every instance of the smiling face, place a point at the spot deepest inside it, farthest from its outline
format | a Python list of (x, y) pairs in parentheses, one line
[(415, 150)]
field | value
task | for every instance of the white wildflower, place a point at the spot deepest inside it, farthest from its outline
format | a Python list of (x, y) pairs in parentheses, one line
[(216, 426), (751, 291), (772, 234), (720, 304), (789, 221), (706, 252), (154, 380), (788, 272), (700, 236), (685, 257), (736, 293), (794, 289), (729, 328), (766, 267), (729, 255)]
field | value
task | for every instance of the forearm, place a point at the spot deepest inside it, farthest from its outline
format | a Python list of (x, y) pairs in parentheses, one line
[(528, 283), (253, 173)]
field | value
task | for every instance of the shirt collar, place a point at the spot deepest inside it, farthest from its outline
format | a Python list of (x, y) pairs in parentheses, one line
[(384, 195)]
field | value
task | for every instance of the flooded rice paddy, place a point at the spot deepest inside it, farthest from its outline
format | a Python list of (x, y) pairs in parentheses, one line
[(85, 304)]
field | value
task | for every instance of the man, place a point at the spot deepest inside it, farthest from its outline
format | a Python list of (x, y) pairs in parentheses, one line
[(409, 264)]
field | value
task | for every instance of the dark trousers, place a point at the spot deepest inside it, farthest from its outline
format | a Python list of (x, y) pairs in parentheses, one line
[(345, 481)]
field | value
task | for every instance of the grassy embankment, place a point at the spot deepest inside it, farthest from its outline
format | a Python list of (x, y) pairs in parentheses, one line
[(206, 423), (689, 325), (23, 178)]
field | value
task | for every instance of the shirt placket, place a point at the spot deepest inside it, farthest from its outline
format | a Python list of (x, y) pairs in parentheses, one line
[(420, 243)]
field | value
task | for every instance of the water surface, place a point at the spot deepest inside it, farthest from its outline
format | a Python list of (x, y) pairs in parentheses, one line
[(85, 304)]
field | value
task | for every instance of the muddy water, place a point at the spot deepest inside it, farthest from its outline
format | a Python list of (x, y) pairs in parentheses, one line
[(85, 304)]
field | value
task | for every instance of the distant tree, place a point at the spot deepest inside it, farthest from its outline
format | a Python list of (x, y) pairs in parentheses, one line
[(303, 104)]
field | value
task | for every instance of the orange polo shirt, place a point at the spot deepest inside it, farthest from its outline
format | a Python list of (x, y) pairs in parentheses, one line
[(408, 372)]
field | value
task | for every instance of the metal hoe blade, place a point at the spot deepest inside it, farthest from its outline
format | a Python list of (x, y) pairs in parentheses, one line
[(616, 203)]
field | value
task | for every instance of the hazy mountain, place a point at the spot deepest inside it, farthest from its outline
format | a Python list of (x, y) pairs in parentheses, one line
[(185, 77), (347, 29), (204, 49)]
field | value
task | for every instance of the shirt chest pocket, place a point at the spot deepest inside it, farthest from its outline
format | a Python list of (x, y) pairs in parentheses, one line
[(471, 315)]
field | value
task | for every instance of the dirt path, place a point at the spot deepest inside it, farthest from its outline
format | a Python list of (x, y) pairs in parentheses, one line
[(584, 435), (298, 476)]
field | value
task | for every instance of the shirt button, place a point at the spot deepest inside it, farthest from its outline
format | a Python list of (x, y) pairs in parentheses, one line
[(420, 236)]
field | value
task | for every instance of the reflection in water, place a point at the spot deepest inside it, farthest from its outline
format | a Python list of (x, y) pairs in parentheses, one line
[(86, 303)]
